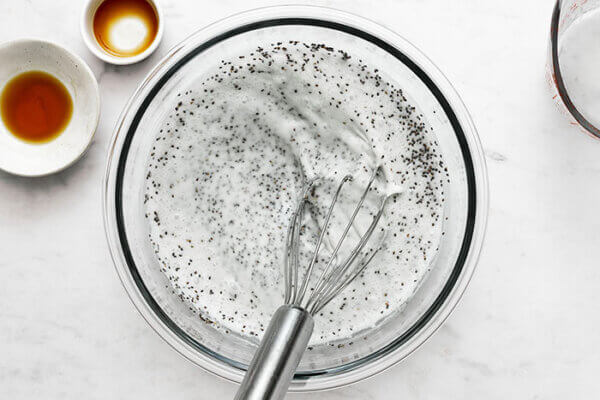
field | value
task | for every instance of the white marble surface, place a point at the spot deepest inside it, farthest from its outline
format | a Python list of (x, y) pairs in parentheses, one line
[(527, 327)]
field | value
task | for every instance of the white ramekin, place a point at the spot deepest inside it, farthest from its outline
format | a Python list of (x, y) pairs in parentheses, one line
[(87, 32)]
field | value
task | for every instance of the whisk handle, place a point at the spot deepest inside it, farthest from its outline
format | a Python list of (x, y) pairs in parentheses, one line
[(278, 355)]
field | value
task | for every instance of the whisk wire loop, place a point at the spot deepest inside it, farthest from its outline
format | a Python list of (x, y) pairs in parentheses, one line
[(291, 262), (313, 261), (339, 279), (322, 278), (335, 276)]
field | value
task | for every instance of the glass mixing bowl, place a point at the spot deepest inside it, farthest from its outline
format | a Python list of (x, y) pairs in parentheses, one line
[(325, 366)]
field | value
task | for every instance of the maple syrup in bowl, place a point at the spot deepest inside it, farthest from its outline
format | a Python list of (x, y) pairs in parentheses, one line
[(35, 106), (49, 107), (122, 31)]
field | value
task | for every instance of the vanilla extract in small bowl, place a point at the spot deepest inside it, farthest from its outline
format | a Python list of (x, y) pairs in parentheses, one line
[(122, 31)]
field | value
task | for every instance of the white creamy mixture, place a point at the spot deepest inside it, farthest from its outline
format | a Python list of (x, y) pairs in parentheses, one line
[(227, 168)]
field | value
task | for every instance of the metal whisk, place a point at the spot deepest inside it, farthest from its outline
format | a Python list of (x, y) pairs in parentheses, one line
[(289, 331)]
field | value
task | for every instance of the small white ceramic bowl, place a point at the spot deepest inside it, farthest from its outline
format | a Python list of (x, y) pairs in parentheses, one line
[(26, 159), (87, 31)]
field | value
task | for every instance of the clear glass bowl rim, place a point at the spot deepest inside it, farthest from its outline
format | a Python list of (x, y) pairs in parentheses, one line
[(477, 197)]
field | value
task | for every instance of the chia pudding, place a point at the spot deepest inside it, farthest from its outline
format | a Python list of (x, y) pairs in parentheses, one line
[(228, 166)]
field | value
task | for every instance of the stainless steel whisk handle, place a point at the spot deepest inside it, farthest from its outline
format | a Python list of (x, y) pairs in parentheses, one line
[(278, 356)]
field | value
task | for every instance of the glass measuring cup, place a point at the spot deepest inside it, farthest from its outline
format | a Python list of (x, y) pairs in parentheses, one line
[(574, 62)]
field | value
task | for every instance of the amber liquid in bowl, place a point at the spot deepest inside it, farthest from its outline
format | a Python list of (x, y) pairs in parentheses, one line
[(36, 107), (125, 28)]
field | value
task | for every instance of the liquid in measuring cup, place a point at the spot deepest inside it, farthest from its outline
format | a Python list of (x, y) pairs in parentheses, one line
[(579, 58)]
